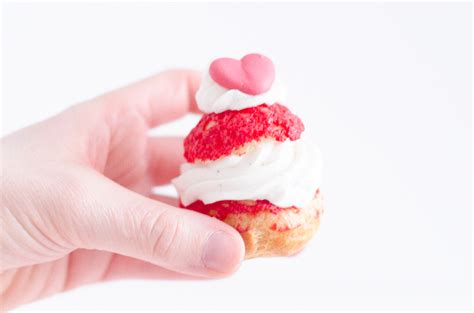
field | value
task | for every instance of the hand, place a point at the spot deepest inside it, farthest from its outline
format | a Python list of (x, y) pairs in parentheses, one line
[(76, 197)]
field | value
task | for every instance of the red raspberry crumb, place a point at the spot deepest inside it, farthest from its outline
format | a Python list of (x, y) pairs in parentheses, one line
[(221, 209), (219, 134)]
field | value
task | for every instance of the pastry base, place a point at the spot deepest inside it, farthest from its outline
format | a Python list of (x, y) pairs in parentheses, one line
[(282, 234)]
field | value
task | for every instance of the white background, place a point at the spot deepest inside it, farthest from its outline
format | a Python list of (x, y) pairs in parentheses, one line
[(383, 89)]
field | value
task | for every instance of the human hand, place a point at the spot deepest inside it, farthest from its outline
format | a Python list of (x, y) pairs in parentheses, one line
[(76, 197)]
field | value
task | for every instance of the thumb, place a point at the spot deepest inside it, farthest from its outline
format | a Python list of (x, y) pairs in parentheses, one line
[(112, 218)]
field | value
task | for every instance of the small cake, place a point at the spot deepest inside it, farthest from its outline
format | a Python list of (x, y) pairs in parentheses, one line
[(247, 161)]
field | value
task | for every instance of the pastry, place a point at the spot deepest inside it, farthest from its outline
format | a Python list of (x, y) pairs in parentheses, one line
[(247, 161)]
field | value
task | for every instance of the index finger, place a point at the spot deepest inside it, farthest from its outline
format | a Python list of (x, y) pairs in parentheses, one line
[(159, 99)]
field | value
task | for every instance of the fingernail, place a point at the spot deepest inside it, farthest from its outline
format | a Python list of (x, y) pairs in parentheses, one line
[(222, 252)]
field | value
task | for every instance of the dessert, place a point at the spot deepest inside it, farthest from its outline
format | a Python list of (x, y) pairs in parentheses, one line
[(247, 161)]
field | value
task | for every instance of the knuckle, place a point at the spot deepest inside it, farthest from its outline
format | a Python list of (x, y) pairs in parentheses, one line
[(164, 231)]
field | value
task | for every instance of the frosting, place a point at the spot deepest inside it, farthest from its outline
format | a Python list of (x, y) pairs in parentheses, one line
[(285, 173), (213, 98), (253, 74)]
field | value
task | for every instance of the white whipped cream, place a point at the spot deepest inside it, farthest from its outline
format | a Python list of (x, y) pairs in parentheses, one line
[(284, 173), (213, 98)]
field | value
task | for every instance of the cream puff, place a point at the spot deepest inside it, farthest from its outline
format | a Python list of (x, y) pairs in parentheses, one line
[(247, 163)]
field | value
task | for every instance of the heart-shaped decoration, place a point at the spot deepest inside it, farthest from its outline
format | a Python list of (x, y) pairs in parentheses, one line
[(253, 74)]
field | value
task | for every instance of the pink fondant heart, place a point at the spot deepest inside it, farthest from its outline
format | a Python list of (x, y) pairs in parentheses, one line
[(253, 74)]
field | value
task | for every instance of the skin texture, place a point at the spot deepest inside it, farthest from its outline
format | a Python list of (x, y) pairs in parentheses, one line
[(76, 204)]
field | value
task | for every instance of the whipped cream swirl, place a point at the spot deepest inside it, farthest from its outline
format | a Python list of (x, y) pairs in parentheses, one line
[(284, 173), (213, 98)]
